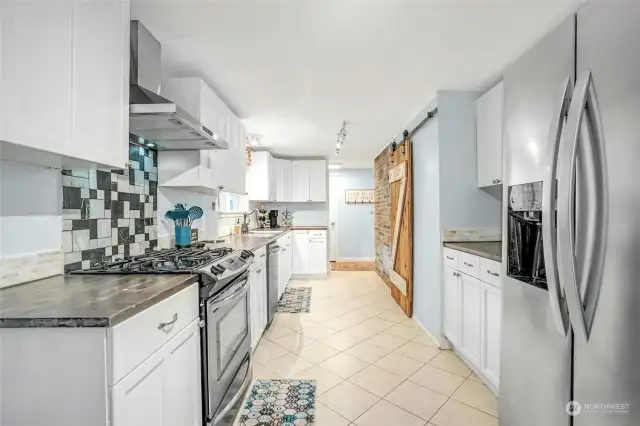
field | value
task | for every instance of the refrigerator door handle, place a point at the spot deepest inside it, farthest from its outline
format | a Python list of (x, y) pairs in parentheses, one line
[(582, 309), (549, 195)]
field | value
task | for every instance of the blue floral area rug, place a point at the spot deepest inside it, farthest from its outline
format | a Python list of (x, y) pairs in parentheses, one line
[(280, 403), (295, 300)]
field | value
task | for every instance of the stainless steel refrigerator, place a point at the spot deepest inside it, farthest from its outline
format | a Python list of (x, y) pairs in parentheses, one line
[(571, 224)]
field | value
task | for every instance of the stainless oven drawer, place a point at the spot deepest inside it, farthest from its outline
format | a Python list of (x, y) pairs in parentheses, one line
[(228, 342)]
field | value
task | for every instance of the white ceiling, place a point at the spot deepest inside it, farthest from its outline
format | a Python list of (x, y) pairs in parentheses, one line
[(294, 69)]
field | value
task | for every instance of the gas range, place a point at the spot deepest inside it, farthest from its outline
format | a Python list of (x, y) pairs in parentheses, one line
[(217, 267)]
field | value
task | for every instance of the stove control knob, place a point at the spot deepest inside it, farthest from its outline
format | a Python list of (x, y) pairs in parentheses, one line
[(215, 269), (246, 254)]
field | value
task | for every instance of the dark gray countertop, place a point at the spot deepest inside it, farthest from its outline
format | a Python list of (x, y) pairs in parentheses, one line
[(487, 249), (85, 300), (254, 240)]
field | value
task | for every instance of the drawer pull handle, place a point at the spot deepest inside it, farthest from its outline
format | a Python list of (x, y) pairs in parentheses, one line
[(492, 273), (258, 271), (450, 258), (262, 255), (468, 264), (163, 325)]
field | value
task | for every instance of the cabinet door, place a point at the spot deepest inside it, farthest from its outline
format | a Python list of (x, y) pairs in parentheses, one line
[(301, 180), (491, 323), (100, 79), (262, 299), (182, 398), (258, 176), (470, 333), (489, 137), (317, 180), (138, 398), (317, 256), (452, 305), (301, 252), (36, 84), (274, 178), (254, 308), (242, 158), (286, 180)]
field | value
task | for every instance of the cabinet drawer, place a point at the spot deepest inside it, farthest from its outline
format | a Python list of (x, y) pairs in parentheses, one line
[(469, 264), (137, 338), (491, 272), (260, 255), (450, 257), (318, 234)]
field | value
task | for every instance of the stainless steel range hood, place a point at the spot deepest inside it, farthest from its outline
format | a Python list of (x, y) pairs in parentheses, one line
[(153, 117)]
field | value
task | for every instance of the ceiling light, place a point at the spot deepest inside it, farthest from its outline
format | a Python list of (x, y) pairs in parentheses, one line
[(151, 145), (254, 140)]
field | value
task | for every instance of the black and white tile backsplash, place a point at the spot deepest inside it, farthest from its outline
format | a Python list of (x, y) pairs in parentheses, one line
[(109, 214)]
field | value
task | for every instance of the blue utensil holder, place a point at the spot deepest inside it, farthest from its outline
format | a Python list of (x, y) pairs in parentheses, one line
[(183, 235)]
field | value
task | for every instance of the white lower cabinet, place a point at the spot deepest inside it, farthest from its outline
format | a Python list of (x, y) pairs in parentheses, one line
[(310, 252), (470, 318), (182, 402), (491, 324), (138, 397), (258, 302), (317, 256), (472, 312), (165, 389), (452, 305), (301, 252)]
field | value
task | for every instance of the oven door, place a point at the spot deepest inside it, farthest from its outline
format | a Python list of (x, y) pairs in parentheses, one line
[(228, 347)]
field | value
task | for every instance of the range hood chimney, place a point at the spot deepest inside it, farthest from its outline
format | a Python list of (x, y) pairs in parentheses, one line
[(152, 117)]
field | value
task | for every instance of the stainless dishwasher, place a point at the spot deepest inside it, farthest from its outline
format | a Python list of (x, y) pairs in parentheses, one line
[(273, 254)]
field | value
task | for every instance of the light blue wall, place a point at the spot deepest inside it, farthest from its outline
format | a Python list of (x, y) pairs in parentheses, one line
[(355, 221), (445, 195), (462, 203), (427, 274)]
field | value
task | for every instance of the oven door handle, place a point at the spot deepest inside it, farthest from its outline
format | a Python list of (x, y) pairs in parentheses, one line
[(235, 295)]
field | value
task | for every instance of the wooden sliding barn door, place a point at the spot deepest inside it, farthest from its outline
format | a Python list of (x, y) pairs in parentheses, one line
[(401, 273)]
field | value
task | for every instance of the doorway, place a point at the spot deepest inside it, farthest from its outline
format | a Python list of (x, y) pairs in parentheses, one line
[(334, 204)]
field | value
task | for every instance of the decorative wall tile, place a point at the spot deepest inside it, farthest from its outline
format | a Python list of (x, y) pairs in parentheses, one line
[(110, 214)]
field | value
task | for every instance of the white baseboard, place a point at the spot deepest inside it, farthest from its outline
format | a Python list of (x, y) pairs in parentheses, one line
[(309, 277), (477, 372), (356, 259), (441, 343)]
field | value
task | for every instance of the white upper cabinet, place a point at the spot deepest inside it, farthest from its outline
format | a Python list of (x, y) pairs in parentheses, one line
[(258, 181), (301, 180), (489, 137), (275, 179), (64, 85), (226, 167), (318, 180), (285, 181)]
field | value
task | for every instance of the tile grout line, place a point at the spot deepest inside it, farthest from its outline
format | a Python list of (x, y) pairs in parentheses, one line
[(368, 364)]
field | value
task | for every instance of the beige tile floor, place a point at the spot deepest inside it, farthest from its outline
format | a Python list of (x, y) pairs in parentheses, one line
[(373, 365)]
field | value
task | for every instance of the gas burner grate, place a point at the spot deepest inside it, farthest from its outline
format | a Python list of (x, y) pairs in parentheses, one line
[(179, 260)]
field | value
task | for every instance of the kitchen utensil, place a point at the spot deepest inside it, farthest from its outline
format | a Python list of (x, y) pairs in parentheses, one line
[(195, 212), (180, 206)]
